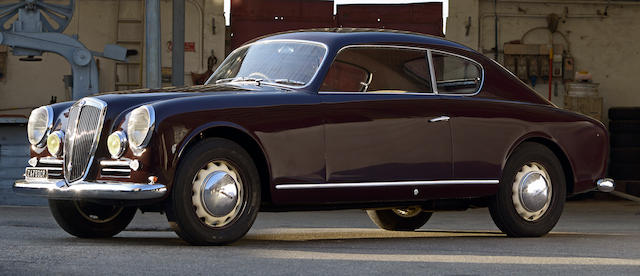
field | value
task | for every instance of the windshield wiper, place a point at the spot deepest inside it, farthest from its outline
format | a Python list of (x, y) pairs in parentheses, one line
[(238, 79), (288, 81)]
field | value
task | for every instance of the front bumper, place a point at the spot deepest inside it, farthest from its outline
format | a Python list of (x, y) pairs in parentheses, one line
[(58, 189)]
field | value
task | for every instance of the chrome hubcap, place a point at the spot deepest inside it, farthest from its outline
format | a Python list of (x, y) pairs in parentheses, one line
[(407, 212), (532, 191), (217, 193)]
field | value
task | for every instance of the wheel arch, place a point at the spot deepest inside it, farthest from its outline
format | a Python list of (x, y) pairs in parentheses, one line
[(244, 139), (567, 167)]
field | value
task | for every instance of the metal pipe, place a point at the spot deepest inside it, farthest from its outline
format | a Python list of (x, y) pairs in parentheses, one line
[(488, 15), (152, 44), (625, 196), (495, 26), (177, 59)]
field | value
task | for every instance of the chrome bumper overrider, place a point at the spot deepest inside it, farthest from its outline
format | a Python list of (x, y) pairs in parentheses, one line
[(606, 185), (58, 189)]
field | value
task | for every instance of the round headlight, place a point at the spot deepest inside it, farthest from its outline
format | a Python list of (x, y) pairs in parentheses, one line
[(140, 125), (40, 120), (116, 143), (54, 143)]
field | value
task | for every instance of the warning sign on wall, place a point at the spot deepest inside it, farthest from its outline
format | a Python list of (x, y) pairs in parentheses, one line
[(189, 46)]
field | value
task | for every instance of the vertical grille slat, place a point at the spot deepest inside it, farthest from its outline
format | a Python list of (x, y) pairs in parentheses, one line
[(83, 130)]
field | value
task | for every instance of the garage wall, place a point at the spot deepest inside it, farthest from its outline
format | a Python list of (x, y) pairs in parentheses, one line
[(603, 38), (14, 153), (31, 84)]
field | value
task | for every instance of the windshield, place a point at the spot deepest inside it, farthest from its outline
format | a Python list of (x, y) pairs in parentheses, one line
[(281, 62)]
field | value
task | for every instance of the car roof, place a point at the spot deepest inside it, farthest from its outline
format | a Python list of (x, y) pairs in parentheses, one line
[(339, 37)]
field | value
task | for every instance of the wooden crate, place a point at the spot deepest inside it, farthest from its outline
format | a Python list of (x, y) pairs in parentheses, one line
[(590, 106)]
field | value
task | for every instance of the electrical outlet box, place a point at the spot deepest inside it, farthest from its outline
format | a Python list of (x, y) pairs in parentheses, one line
[(544, 67), (557, 66), (510, 63), (522, 68), (534, 70), (568, 69)]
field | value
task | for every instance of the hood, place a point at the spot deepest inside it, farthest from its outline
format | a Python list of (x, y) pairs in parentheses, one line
[(119, 103)]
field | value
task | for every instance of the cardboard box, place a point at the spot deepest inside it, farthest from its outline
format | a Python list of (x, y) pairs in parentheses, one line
[(590, 106)]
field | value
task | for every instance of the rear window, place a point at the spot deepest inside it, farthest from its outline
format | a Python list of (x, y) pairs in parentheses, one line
[(456, 75)]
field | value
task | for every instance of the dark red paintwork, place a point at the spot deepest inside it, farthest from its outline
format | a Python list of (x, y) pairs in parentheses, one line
[(300, 136)]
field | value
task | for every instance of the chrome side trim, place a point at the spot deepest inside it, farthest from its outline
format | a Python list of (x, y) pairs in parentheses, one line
[(382, 184), (58, 189), (379, 93)]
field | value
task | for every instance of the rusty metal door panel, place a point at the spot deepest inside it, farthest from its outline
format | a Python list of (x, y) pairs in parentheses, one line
[(421, 17), (254, 18)]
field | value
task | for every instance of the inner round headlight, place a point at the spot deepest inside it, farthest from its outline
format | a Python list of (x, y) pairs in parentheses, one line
[(40, 120), (54, 143), (116, 143), (140, 125)]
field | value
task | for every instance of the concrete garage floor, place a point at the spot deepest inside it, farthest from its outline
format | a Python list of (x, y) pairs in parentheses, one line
[(592, 238)]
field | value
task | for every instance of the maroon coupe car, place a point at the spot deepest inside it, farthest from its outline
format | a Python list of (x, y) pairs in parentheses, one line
[(399, 124)]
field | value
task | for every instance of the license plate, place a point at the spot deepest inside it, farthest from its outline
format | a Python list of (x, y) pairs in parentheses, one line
[(36, 173)]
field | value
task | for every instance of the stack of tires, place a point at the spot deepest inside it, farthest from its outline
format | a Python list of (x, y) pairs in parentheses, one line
[(624, 127)]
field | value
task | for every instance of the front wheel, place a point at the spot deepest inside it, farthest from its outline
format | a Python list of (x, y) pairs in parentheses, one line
[(532, 192), (216, 194), (399, 219), (90, 220)]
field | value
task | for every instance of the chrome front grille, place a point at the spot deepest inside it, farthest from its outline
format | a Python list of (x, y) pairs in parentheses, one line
[(81, 138)]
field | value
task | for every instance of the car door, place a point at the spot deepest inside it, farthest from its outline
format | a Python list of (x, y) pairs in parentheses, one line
[(387, 135), (482, 131)]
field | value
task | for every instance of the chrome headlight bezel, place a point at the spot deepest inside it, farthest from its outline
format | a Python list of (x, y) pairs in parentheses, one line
[(118, 151), (43, 125), (59, 135), (140, 125)]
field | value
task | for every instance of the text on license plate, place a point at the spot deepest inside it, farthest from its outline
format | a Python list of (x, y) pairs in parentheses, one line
[(35, 173)]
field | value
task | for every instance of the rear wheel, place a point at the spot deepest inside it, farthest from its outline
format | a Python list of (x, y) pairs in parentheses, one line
[(216, 194), (399, 219), (90, 220), (531, 194)]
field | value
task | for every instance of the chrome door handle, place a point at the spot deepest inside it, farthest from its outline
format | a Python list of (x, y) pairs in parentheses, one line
[(438, 119)]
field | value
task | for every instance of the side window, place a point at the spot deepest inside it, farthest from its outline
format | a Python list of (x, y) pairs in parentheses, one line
[(346, 77), (456, 75), (379, 69)]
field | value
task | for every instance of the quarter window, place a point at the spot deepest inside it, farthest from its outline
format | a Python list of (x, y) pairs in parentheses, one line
[(379, 70), (456, 75)]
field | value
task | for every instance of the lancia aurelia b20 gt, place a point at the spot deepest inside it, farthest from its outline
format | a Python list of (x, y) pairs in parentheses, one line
[(399, 124)]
